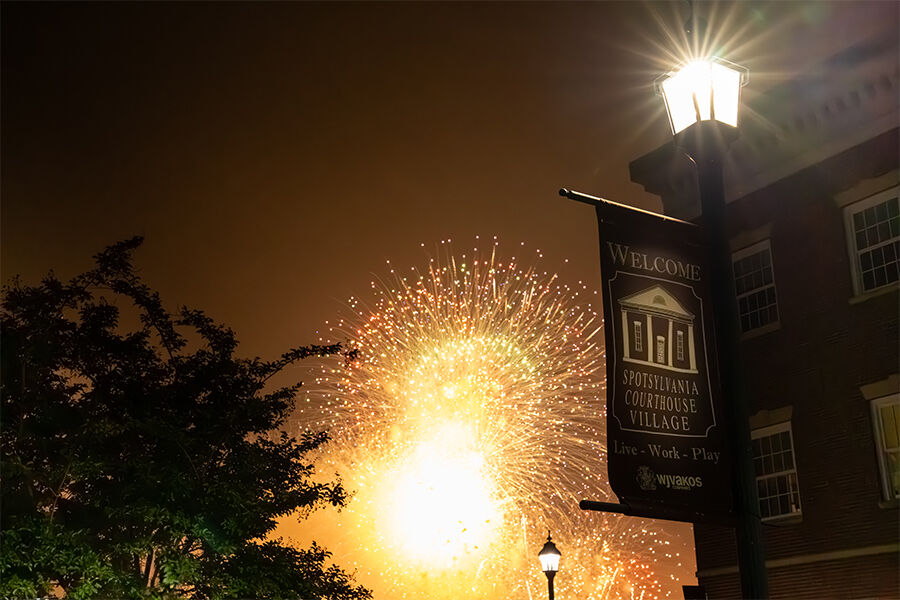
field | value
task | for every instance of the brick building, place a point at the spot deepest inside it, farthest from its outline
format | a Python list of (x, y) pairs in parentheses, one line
[(812, 190)]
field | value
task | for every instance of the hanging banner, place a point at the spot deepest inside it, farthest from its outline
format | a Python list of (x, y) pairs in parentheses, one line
[(666, 435)]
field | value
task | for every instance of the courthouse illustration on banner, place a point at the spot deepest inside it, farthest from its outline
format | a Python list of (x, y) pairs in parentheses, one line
[(666, 389), (640, 309)]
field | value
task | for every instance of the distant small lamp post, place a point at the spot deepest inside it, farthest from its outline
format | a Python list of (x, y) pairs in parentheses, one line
[(702, 99), (549, 556)]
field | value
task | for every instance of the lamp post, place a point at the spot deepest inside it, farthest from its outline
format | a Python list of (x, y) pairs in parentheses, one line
[(549, 557), (702, 100)]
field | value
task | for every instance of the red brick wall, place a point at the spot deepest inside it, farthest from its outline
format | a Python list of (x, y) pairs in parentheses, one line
[(825, 349), (862, 577)]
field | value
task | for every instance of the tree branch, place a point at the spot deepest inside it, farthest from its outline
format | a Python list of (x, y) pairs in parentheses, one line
[(148, 567), (59, 489)]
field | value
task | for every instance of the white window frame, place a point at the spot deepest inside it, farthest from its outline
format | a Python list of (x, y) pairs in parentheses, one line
[(878, 432), (855, 266), (756, 248), (679, 345), (766, 432), (638, 336)]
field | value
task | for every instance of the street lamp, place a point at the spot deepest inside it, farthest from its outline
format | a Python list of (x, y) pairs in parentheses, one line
[(549, 557), (702, 100)]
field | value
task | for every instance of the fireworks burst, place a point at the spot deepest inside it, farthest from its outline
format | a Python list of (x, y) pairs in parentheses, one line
[(471, 422)]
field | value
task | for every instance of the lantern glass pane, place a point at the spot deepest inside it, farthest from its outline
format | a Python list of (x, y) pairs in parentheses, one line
[(726, 93), (549, 562), (687, 95)]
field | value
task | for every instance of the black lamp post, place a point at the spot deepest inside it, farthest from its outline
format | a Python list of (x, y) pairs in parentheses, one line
[(549, 557), (702, 100)]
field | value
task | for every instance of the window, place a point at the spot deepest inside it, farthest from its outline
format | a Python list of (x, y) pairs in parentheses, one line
[(754, 283), (886, 424), (638, 337), (660, 349), (776, 471), (873, 231), (679, 346)]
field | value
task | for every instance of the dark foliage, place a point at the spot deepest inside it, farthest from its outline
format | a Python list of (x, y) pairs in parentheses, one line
[(133, 467)]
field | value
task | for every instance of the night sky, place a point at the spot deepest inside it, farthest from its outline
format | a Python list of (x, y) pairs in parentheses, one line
[(275, 156)]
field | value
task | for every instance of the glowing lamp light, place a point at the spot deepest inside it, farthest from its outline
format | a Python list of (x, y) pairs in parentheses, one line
[(702, 90)]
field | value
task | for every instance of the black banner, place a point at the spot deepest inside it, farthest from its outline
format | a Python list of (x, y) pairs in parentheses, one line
[(666, 439)]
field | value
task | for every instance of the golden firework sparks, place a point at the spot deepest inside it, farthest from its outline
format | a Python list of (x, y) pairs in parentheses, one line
[(472, 421)]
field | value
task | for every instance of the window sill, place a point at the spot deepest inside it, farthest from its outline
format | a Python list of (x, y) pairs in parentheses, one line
[(767, 328), (887, 289), (895, 503), (781, 520)]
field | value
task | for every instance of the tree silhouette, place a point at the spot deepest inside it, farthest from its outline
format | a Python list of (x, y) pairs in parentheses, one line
[(146, 461)]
